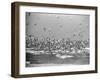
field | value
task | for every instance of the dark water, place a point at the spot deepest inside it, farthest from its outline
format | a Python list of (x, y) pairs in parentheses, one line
[(52, 59)]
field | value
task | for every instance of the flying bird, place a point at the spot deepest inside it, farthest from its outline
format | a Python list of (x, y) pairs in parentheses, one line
[(44, 29), (35, 24)]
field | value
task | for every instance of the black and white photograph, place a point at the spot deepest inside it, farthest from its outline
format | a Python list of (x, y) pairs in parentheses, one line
[(57, 39), (53, 39)]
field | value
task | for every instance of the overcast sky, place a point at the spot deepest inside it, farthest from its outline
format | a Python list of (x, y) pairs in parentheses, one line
[(57, 26)]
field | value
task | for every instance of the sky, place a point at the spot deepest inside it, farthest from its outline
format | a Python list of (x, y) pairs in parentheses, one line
[(58, 26)]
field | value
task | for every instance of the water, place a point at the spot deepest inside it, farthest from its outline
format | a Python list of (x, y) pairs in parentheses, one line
[(49, 59)]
